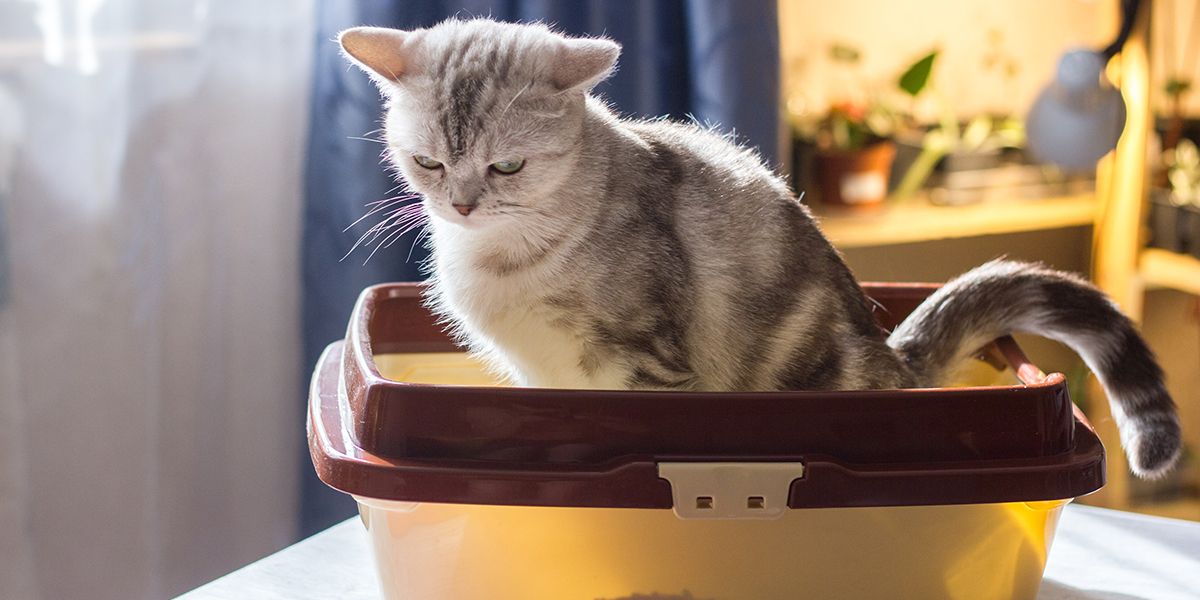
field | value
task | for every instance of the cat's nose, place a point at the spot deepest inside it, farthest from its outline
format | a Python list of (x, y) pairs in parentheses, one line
[(463, 209)]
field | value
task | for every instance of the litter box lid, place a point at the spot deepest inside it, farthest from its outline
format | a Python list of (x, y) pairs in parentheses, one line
[(377, 438)]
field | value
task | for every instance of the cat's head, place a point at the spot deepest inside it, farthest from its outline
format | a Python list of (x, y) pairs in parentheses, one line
[(481, 115)]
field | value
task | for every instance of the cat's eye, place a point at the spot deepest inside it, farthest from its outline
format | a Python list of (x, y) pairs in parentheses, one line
[(427, 162), (508, 167)]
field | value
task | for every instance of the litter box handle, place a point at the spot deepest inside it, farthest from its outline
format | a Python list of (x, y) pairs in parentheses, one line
[(1004, 351)]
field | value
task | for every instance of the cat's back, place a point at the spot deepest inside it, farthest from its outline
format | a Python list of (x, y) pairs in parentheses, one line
[(699, 179), (705, 228), (737, 217)]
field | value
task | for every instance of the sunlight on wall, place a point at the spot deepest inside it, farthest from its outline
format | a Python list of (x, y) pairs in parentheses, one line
[(1175, 51), (995, 56)]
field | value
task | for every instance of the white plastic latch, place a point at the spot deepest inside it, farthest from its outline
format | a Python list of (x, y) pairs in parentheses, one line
[(730, 490)]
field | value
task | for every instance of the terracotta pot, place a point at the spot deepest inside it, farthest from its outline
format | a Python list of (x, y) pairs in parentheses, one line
[(855, 179)]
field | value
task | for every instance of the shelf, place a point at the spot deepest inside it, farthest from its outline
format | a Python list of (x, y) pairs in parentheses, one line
[(1164, 269), (917, 220)]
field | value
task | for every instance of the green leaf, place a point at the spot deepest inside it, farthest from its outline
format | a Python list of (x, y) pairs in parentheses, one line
[(914, 79), (1177, 86)]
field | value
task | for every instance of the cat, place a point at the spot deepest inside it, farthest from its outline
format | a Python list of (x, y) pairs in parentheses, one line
[(573, 248)]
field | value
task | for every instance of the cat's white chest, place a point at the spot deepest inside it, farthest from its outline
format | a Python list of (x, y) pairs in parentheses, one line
[(542, 350), (514, 327), (512, 321)]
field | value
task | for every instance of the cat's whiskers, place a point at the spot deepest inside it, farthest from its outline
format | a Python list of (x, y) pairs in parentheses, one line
[(398, 229), (380, 205), (421, 235), (365, 137), (398, 221)]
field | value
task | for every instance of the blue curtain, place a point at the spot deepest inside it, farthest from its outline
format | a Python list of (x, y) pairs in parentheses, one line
[(713, 60)]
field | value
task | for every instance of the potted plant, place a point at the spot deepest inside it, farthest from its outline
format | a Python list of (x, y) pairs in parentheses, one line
[(1175, 211), (853, 159), (854, 150), (955, 146)]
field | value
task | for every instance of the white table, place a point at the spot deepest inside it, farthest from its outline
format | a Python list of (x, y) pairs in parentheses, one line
[(1097, 555)]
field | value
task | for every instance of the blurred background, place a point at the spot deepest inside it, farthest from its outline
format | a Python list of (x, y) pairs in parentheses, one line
[(182, 183)]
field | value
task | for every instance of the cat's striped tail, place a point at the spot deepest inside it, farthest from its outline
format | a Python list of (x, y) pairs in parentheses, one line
[(1003, 297)]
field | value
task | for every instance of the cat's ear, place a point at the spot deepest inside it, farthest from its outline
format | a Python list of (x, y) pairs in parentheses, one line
[(581, 63), (385, 54)]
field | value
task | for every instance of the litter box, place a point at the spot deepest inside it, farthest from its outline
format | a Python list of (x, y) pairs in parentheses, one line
[(472, 491)]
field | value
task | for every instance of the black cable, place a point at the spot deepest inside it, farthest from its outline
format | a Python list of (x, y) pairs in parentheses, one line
[(1129, 10)]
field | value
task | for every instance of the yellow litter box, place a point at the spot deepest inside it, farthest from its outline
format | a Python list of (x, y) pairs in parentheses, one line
[(471, 491)]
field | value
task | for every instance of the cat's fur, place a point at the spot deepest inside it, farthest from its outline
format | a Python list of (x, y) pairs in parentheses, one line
[(653, 254)]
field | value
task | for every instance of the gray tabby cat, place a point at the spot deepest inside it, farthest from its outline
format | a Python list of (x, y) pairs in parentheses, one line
[(572, 248)]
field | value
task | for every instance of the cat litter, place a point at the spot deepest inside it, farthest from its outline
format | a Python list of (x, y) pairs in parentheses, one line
[(471, 490)]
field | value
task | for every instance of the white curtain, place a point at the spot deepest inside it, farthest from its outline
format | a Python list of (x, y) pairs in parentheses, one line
[(150, 386)]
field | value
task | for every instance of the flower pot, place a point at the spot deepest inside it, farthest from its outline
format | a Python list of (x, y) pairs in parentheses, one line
[(1168, 223), (1189, 216), (855, 179), (971, 160)]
